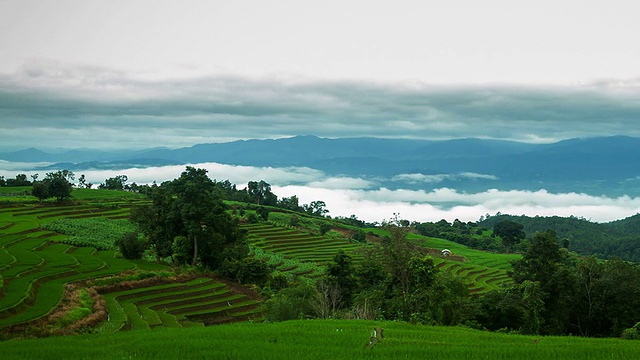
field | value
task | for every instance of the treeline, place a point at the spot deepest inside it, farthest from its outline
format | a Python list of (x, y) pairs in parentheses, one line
[(615, 239), (465, 233)]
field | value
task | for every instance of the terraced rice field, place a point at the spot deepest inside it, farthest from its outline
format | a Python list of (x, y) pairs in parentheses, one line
[(487, 271), (34, 267), (479, 279), (201, 301), (297, 245)]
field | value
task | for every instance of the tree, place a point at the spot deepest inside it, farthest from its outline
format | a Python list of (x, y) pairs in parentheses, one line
[(317, 208), (340, 275), (546, 262), (114, 183), (359, 236), (20, 180), (189, 208), (82, 182), (290, 203), (40, 190), (131, 246), (510, 232), (55, 184), (260, 192), (158, 221)]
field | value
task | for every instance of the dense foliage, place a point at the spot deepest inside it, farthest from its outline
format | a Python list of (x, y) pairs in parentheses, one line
[(188, 221), (56, 184), (615, 239), (556, 292)]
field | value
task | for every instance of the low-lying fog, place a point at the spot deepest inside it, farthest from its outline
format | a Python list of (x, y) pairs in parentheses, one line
[(364, 198)]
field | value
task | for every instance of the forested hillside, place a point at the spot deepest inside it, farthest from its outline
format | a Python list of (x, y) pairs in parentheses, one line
[(619, 238)]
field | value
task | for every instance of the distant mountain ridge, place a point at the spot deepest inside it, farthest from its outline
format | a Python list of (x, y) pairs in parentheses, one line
[(598, 166)]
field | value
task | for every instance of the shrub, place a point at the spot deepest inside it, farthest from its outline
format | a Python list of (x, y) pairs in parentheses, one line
[(632, 333), (359, 236), (324, 228), (252, 218), (246, 271), (296, 302), (131, 246)]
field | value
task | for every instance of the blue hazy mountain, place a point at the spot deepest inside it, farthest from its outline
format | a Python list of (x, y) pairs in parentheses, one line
[(598, 166)]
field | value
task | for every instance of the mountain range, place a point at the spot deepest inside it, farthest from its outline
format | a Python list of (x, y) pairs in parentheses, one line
[(607, 166)]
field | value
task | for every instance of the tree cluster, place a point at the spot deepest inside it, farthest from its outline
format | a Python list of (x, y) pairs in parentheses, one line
[(556, 293), (188, 222), (468, 234), (56, 184), (619, 238), (19, 180)]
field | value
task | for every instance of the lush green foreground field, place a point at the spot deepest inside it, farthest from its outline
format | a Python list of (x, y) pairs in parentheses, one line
[(317, 339)]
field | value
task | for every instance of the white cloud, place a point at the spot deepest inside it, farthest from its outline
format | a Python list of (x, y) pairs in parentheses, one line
[(437, 178), (381, 204), (347, 196)]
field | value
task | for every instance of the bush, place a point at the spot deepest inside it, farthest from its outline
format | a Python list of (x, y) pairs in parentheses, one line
[(293, 303), (359, 236), (246, 271), (131, 246), (252, 218), (632, 333), (324, 228)]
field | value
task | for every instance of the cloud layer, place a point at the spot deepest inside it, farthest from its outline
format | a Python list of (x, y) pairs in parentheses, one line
[(347, 196), (55, 105)]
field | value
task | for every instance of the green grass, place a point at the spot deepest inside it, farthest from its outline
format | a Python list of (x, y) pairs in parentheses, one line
[(317, 339)]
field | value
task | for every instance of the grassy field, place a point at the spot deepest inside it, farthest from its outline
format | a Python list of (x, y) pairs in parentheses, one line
[(317, 339)]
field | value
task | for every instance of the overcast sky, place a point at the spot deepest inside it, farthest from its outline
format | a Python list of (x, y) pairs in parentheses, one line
[(107, 74)]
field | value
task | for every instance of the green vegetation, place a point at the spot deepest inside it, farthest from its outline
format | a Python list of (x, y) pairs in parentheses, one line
[(74, 267), (175, 304), (317, 339), (100, 233), (615, 239)]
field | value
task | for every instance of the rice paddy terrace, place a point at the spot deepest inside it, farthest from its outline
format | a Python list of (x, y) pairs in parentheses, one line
[(294, 248), (197, 302), (36, 263), (37, 260)]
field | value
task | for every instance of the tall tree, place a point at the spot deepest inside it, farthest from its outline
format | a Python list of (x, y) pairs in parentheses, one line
[(546, 262), (510, 232), (260, 192)]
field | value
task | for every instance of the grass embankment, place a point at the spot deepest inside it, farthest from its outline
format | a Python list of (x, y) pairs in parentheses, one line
[(318, 339)]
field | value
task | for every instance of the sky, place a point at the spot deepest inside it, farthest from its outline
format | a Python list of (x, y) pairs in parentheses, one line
[(136, 74), (132, 74)]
